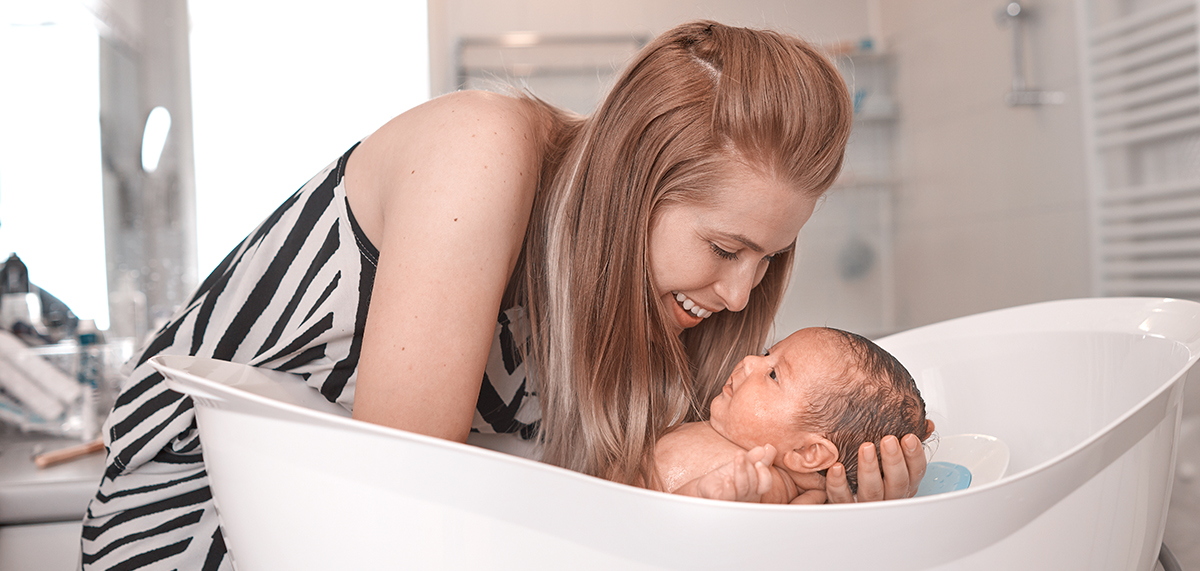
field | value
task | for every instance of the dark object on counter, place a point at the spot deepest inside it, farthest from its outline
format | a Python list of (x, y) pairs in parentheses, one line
[(56, 315), (57, 320), (14, 277)]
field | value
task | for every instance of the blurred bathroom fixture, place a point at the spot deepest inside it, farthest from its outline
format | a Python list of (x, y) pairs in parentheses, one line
[(1015, 16), (566, 70), (855, 258), (1142, 96), (154, 137), (149, 185)]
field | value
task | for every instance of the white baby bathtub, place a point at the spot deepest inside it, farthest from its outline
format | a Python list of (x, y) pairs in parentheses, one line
[(1086, 393)]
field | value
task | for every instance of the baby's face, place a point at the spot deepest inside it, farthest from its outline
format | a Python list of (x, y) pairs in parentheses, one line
[(765, 395)]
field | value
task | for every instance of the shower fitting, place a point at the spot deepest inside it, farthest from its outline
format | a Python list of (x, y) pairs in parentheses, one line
[(1015, 17)]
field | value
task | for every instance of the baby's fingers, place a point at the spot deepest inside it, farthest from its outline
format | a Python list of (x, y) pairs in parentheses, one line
[(765, 478), (764, 454)]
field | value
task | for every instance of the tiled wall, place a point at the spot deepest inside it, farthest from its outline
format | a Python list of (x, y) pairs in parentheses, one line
[(991, 208), (989, 201), (816, 20)]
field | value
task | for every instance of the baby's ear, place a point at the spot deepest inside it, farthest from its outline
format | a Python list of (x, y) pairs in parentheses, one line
[(816, 453)]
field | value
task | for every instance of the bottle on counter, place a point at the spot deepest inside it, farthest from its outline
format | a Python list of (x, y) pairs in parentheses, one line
[(127, 309), (91, 367)]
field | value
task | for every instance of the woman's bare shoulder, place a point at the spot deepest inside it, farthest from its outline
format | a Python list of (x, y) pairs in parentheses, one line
[(466, 142), (468, 119)]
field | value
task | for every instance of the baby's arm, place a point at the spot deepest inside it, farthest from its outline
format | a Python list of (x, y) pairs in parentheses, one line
[(747, 478)]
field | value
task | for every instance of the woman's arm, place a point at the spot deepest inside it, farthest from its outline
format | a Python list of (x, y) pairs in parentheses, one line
[(445, 192)]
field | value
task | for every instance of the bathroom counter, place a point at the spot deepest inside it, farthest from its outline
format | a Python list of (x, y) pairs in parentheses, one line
[(57, 493)]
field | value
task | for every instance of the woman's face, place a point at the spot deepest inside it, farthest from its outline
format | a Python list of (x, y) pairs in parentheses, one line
[(705, 258)]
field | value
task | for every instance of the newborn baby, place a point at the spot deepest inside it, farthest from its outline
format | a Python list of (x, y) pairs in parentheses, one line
[(805, 405)]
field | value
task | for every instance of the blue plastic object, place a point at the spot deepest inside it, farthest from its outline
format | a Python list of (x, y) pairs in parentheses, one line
[(942, 477)]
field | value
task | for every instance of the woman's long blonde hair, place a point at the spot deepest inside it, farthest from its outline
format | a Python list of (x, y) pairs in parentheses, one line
[(611, 374)]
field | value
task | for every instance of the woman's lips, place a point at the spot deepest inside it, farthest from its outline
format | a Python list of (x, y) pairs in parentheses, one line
[(685, 319), (691, 306), (687, 313)]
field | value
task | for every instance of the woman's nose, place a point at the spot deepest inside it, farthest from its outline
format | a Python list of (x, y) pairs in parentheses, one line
[(734, 288)]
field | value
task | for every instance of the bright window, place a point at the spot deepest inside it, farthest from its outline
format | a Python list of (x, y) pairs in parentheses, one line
[(280, 90), (51, 197)]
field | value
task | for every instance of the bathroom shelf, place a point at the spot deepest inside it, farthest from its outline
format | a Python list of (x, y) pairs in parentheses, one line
[(843, 275)]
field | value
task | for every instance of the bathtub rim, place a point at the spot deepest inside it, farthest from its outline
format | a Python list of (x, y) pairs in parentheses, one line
[(178, 378), (1077, 307)]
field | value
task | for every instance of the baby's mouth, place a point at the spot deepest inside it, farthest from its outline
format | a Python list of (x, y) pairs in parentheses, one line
[(690, 306)]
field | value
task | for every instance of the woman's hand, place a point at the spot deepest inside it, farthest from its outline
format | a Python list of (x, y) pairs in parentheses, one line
[(903, 467)]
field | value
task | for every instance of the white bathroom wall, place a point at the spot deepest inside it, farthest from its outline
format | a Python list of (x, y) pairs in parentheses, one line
[(989, 201), (991, 209), (449, 20), (830, 24)]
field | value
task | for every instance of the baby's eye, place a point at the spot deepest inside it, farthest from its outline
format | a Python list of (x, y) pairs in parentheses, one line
[(766, 352), (773, 375)]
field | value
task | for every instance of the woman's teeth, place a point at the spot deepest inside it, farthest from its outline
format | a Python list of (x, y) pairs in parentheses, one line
[(690, 306)]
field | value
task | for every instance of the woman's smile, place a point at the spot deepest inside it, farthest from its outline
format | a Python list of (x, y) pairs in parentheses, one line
[(707, 256), (687, 313), (691, 306)]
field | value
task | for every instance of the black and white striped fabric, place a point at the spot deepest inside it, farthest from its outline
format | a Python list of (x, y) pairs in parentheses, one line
[(292, 297)]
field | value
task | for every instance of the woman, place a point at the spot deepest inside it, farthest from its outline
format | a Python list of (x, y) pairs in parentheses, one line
[(626, 254)]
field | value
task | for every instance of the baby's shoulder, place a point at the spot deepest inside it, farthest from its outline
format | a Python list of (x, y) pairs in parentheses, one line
[(695, 448), (692, 434)]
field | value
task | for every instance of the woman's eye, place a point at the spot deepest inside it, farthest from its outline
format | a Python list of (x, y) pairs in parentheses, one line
[(723, 253), (773, 375), (766, 352)]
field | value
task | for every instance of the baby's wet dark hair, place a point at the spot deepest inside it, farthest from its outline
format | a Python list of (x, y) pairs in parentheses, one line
[(874, 397)]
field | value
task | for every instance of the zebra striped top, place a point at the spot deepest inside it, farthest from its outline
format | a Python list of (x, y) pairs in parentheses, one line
[(293, 297)]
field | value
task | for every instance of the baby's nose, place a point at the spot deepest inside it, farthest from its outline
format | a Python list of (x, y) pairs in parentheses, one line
[(753, 363)]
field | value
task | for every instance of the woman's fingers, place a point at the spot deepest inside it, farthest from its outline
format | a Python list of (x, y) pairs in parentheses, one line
[(895, 469), (914, 457), (870, 481), (897, 474), (837, 488)]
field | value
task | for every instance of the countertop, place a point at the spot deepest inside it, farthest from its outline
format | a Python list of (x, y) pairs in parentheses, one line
[(56, 493)]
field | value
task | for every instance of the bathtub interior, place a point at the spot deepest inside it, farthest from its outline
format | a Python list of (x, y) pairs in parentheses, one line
[(1046, 391), (1041, 393)]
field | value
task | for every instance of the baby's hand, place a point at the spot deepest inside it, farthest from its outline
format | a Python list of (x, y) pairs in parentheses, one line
[(745, 479)]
